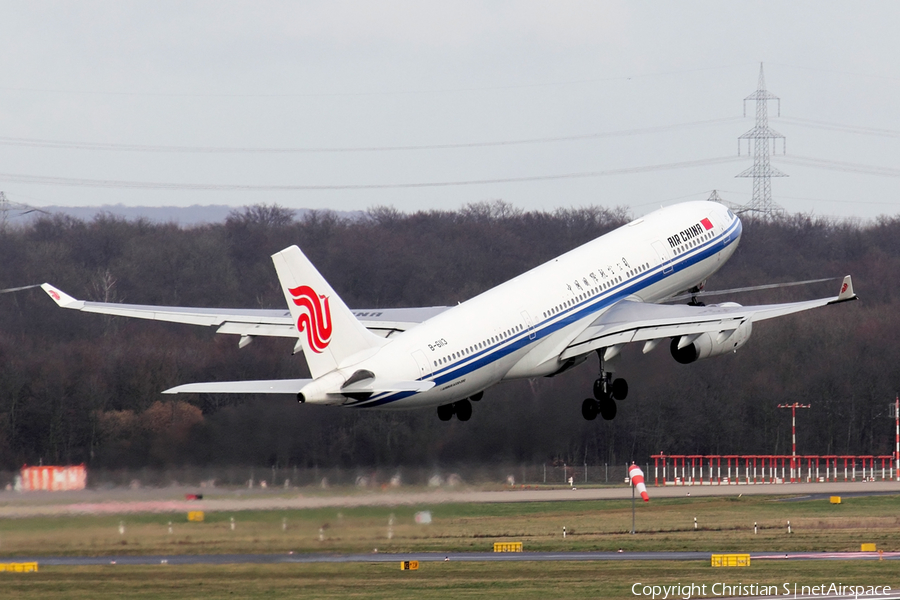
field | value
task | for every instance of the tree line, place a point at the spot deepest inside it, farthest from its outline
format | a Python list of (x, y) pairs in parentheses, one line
[(86, 388)]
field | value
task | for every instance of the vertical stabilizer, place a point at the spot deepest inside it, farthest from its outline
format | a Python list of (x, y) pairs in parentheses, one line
[(328, 331)]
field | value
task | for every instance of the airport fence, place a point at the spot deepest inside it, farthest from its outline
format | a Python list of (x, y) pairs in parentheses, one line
[(661, 470), (733, 469)]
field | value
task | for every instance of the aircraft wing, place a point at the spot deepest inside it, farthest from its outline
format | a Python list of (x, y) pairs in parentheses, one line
[(245, 321), (629, 321)]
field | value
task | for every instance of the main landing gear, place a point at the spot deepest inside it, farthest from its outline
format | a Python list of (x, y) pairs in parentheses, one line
[(462, 409), (606, 391)]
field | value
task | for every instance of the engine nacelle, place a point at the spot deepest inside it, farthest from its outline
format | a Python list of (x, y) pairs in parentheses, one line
[(711, 344)]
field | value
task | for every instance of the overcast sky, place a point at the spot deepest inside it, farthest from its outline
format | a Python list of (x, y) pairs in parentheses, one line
[(169, 95)]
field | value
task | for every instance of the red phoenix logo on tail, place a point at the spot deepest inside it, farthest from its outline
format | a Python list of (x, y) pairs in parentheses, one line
[(316, 321)]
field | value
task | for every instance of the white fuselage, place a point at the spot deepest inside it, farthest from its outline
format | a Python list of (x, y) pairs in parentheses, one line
[(520, 328)]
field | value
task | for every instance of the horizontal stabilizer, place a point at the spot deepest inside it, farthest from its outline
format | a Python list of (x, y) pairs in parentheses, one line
[(294, 386), (269, 386)]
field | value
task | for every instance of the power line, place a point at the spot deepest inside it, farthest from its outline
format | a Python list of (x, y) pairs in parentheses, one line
[(350, 94), (225, 187), (839, 127), (663, 201), (834, 165), (69, 145), (835, 71), (811, 199)]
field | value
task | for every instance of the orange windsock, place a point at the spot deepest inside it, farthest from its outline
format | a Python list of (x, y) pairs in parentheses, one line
[(637, 478)]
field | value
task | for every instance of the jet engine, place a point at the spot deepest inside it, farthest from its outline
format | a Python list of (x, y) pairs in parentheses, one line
[(704, 345)]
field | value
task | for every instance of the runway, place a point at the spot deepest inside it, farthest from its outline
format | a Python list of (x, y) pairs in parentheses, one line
[(89, 502), (425, 557)]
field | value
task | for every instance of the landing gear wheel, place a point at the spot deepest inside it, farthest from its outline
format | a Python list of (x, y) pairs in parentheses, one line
[(600, 389), (608, 409), (445, 412), (463, 410), (607, 390), (477, 397), (589, 409)]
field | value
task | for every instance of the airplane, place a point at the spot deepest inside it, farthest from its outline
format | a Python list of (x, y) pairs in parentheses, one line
[(594, 299)]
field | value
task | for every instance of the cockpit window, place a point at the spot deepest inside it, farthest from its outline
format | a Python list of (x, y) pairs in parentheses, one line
[(731, 214)]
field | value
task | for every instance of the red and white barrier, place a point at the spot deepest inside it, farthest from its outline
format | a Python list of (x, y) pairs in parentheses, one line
[(54, 479), (637, 479), (681, 469)]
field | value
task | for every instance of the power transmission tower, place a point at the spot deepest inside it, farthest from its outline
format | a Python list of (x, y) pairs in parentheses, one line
[(761, 204), (716, 197), (6, 207)]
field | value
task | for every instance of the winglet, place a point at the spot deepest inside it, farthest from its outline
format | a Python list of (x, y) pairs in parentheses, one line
[(846, 291), (61, 298)]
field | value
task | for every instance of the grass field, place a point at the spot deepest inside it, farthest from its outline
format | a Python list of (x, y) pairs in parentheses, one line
[(434, 580), (725, 525)]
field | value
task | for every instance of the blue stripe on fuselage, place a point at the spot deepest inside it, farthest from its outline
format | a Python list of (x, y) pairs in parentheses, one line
[(566, 317)]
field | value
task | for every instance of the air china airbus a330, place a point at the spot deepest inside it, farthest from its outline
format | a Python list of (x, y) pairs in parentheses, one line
[(596, 298)]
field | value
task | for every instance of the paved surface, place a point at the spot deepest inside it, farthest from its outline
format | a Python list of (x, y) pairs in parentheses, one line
[(33, 504), (20, 505), (228, 559)]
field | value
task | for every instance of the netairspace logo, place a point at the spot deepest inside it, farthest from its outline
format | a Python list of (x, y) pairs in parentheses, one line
[(789, 590)]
